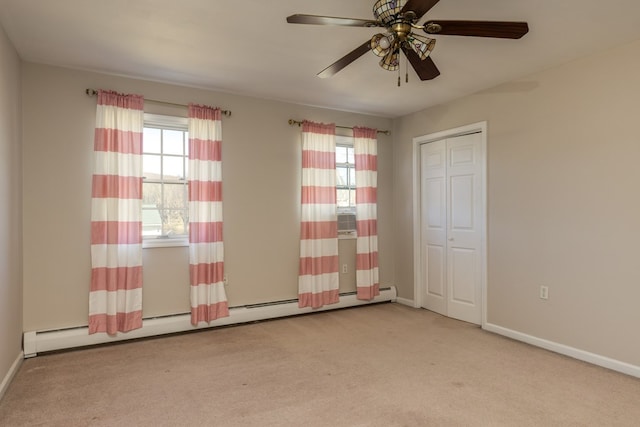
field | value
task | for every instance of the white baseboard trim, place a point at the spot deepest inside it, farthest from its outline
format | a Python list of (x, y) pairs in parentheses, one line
[(585, 356), (13, 370), (41, 341), (405, 301)]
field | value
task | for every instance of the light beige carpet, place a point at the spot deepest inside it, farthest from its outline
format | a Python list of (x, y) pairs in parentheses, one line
[(381, 365)]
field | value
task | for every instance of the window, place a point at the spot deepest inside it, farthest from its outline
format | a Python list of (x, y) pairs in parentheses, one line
[(165, 161), (346, 175), (346, 186)]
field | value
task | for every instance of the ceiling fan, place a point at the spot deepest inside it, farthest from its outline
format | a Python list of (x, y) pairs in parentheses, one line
[(400, 18)]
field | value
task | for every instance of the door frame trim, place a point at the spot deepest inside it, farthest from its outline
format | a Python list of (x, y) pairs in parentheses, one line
[(480, 127)]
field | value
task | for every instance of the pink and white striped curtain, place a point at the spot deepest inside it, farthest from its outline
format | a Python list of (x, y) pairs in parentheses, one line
[(318, 277), (206, 249), (365, 149), (115, 298)]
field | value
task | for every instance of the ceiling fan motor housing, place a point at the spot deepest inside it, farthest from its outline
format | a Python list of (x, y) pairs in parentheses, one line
[(402, 30)]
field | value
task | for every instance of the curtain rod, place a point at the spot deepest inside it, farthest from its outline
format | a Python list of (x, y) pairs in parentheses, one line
[(299, 123), (93, 92)]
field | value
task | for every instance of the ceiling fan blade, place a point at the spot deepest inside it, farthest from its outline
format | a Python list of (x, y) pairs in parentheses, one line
[(419, 7), (426, 69), (345, 60), (496, 29), (332, 20)]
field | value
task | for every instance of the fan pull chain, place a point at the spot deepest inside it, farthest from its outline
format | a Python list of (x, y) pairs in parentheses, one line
[(399, 76), (406, 69)]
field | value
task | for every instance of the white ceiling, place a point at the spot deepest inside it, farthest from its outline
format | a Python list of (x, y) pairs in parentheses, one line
[(247, 48)]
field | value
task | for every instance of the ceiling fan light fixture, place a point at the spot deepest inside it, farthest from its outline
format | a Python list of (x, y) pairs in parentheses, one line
[(380, 44), (384, 42), (387, 11), (390, 62), (421, 45)]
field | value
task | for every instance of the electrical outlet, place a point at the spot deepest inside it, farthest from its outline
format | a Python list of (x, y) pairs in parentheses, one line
[(544, 292), (345, 269), (225, 280)]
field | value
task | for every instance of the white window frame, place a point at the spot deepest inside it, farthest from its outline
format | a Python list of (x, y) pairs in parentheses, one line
[(174, 123), (346, 141)]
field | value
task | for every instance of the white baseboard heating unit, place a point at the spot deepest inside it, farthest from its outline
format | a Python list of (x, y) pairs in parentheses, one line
[(42, 341)]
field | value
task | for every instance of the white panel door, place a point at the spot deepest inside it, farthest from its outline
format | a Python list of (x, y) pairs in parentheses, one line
[(434, 225), (451, 226), (464, 235)]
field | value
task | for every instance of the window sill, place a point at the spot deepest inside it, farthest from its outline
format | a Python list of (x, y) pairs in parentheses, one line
[(165, 243)]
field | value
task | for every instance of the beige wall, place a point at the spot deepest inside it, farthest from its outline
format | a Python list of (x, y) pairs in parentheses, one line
[(563, 200), (261, 174), (10, 207)]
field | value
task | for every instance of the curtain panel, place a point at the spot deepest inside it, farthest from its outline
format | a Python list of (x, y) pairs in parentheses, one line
[(115, 298), (365, 148), (206, 248), (318, 274)]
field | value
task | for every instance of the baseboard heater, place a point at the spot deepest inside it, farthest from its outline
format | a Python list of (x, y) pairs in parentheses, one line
[(42, 341)]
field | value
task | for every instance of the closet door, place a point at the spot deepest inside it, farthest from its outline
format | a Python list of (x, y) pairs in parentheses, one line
[(451, 227), (433, 196)]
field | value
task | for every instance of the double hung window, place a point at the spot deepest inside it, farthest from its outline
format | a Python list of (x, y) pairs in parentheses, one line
[(165, 161), (346, 186)]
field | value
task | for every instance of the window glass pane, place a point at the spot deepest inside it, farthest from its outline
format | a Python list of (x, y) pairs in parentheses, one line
[(352, 197), (186, 144), (341, 178), (173, 167), (151, 195), (172, 141), (151, 221), (151, 166), (341, 154), (175, 221), (352, 177), (350, 156), (151, 140), (343, 198), (174, 196)]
